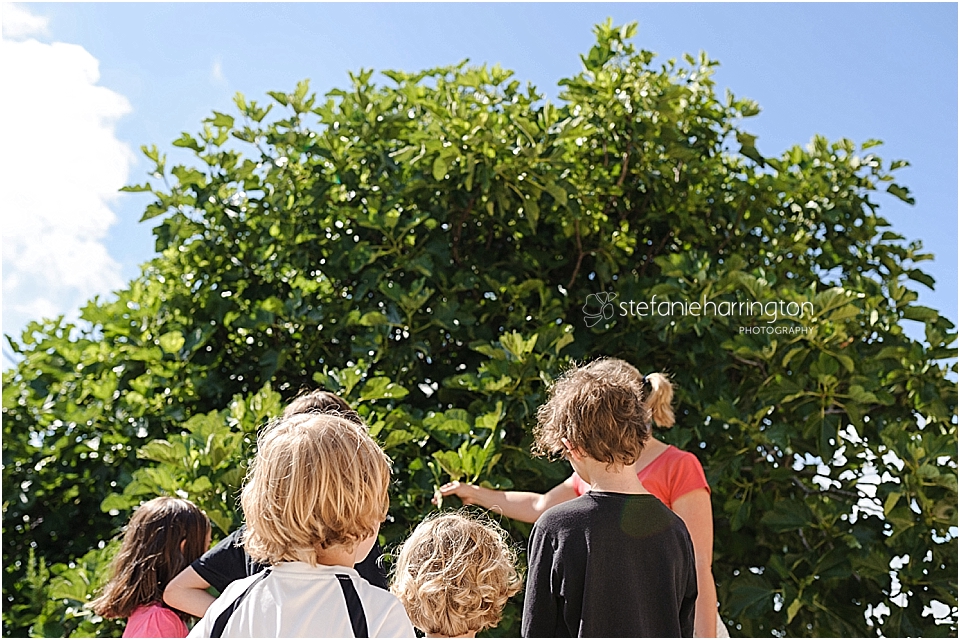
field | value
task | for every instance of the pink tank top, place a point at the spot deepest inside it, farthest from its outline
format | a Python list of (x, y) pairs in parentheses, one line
[(672, 474), (155, 621)]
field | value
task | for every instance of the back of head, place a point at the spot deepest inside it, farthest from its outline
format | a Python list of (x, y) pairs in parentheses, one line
[(318, 481), (454, 574), (599, 410), (655, 389), (162, 538), (320, 401)]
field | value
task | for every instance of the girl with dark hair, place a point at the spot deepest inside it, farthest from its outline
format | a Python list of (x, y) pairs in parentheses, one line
[(163, 537)]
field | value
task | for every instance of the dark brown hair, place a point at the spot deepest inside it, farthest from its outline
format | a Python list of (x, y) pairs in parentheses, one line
[(150, 555), (604, 409), (320, 401)]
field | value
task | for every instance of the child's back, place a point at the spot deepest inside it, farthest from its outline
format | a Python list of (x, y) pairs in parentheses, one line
[(299, 600), (614, 562), (622, 565)]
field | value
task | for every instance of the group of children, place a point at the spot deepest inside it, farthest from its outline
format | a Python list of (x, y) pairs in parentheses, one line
[(615, 562)]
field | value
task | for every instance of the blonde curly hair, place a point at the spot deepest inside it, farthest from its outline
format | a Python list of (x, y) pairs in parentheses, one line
[(454, 574)]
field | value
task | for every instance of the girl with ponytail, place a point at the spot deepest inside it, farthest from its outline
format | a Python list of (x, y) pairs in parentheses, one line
[(674, 476)]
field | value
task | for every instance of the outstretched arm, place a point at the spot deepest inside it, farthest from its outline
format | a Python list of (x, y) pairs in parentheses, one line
[(188, 593), (519, 505), (695, 511)]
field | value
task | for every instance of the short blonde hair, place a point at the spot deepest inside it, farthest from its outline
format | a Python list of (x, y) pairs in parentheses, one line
[(454, 574), (604, 410), (318, 481)]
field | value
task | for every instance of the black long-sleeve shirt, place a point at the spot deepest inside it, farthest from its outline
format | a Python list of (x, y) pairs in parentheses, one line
[(228, 561), (610, 565)]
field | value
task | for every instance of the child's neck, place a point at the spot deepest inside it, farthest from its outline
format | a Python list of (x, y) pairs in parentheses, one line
[(616, 479), (334, 556)]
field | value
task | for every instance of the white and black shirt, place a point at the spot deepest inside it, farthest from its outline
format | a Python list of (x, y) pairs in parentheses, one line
[(296, 599)]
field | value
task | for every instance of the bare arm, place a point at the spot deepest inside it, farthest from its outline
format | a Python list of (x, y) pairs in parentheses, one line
[(519, 505), (188, 592), (695, 511)]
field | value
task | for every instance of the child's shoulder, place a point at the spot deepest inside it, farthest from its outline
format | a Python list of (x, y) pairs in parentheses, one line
[(608, 510), (570, 509), (155, 620), (595, 504)]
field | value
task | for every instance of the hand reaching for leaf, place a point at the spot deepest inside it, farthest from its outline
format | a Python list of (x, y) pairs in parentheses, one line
[(466, 492), (519, 505)]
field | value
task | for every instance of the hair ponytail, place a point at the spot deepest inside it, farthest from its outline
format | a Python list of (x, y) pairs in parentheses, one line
[(659, 398)]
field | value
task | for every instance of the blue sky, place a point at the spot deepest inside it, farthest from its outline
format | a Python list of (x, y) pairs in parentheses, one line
[(860, 71)]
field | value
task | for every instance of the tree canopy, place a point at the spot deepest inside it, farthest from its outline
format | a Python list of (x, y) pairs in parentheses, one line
[(432, 246)]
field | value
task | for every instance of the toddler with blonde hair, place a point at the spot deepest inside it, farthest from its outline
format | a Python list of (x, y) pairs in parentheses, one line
[(313, 501), (454, 575)]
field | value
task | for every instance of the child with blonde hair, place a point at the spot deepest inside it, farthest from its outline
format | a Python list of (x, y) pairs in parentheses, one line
[(454, 574), (313, 501), (164, 536), (227, 561)]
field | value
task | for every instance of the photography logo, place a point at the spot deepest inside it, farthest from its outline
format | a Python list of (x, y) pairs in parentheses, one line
[(599, 306)]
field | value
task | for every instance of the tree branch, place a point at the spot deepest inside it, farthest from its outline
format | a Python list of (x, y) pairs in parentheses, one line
[(736, 225), (458, 228), (655, 252), (623, 171), (576, 268)]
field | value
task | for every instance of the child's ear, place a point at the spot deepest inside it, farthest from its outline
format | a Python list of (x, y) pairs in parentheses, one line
[(572, 451), (183, 545)]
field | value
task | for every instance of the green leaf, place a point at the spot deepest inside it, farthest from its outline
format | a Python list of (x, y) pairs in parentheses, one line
[(117, 502), (787, 515), (397, 437), (221, 120), (921, 277), (373, 319), (450, 462), (441, 165), (519, 347), (748, 593), (137, 188), (858, 394), (381, 388), (790, 355), (171, 342), (921, 314), (901, 192), (891, 502), (793, 610), (187, 141)]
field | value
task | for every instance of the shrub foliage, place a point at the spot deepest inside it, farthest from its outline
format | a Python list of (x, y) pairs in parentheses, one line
[(430, 247)]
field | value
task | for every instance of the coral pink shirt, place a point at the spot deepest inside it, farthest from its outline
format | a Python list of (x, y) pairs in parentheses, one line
[(672, 474), (155, 621)]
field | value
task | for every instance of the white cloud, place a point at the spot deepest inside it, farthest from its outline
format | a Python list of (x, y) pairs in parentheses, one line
[(216, 73), (62, 165), (18, 23)]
